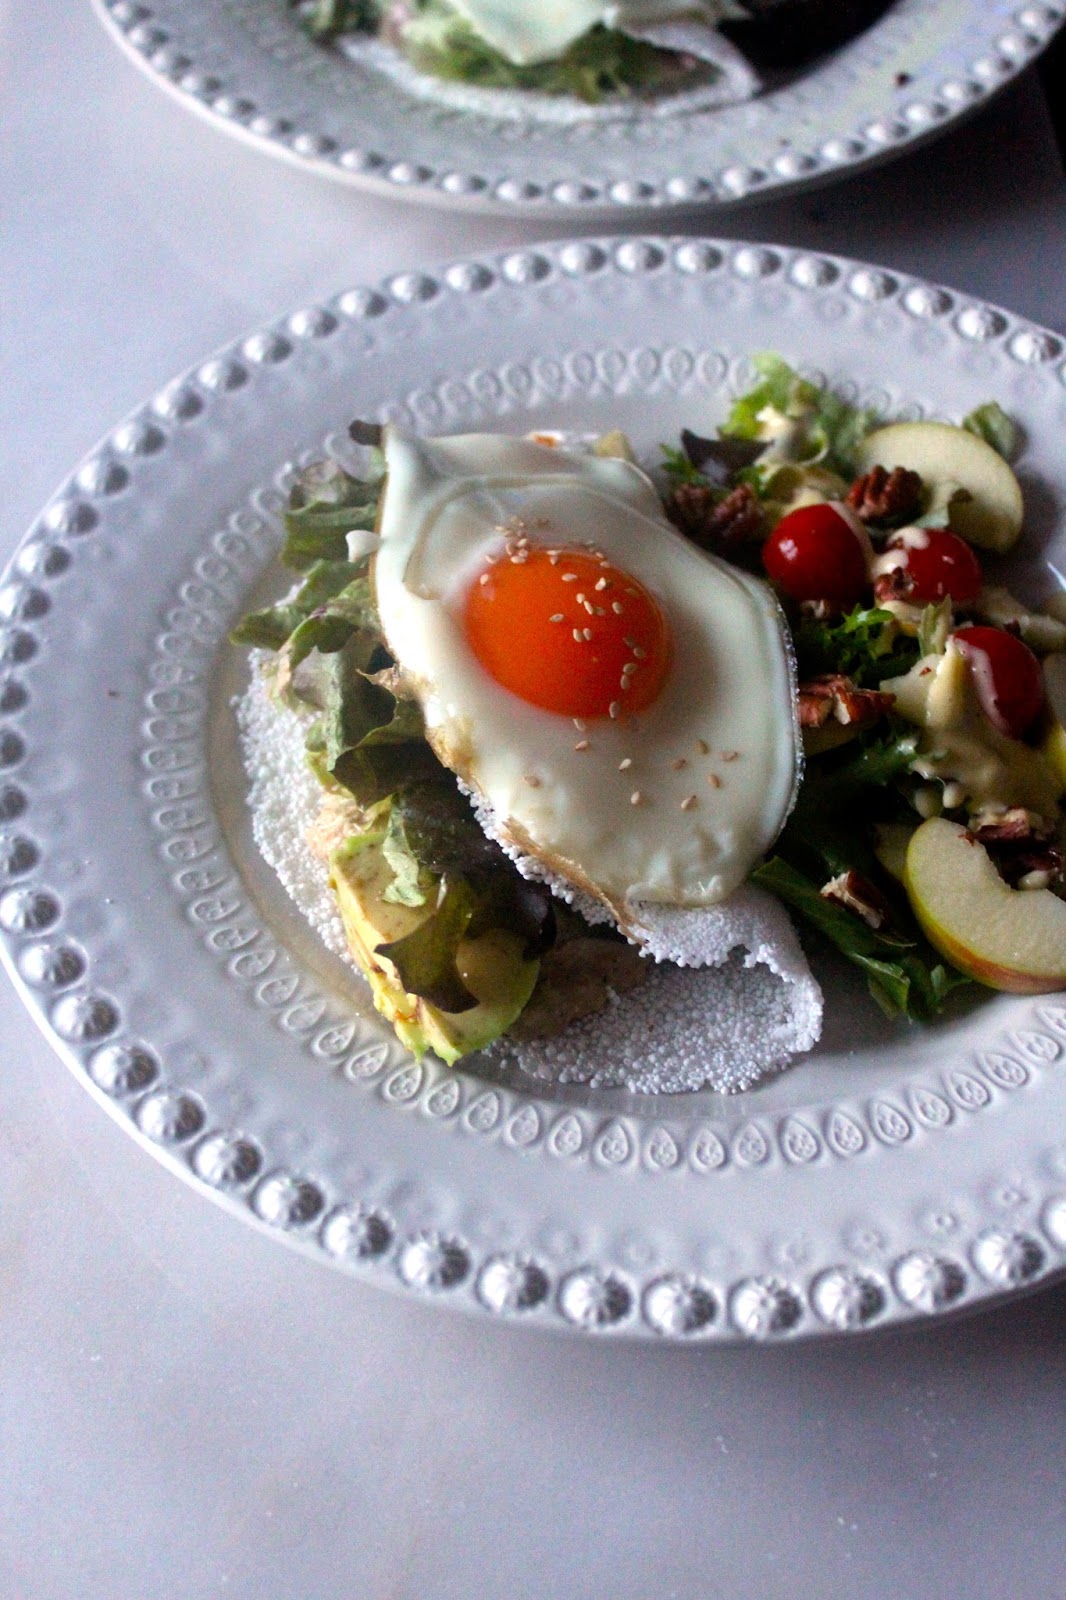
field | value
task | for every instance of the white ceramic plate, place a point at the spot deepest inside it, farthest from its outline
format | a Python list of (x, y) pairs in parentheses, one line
[(894, 1173), (246, 65)]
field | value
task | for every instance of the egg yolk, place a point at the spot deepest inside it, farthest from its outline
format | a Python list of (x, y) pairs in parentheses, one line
[(566, 631)]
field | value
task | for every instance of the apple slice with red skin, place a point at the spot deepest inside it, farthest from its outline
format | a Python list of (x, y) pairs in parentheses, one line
[(1012, 939)]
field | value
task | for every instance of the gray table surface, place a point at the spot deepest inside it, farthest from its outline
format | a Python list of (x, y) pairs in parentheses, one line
[(188, 1410)]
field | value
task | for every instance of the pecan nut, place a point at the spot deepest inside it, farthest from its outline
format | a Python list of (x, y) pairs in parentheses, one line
[(895, 584), (1010, 826), (857, 895), (1019, 843), (714, 523), (835, 695), (888, 497)]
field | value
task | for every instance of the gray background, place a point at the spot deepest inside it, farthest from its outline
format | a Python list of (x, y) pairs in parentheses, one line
[(187, 1409)]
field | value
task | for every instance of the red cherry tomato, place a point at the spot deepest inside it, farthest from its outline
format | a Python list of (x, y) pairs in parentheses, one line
[(1007, 677), (814, 553), (942, 566)]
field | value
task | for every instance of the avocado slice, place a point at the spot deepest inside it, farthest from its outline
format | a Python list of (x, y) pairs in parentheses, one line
[(492, 966)]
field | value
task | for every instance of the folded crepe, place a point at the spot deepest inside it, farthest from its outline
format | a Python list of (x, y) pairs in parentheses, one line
[(730, 999)]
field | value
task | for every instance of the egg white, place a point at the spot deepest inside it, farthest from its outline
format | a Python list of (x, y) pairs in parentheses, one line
[(446, 505)]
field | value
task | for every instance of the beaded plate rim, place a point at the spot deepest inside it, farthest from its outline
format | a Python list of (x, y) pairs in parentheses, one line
[(990, 50)]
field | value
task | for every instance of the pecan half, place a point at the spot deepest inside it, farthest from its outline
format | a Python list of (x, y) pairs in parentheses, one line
[(1010, 826), (713, 523), (858, 895), (1019, 845), (835, 695), (896, 584), (888, 497)]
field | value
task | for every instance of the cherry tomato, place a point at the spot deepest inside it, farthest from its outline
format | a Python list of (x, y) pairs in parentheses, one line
[(1006, 676), (941, 566), (814, 553)]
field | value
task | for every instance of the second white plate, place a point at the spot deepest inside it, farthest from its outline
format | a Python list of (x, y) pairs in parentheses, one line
[(247, 66)]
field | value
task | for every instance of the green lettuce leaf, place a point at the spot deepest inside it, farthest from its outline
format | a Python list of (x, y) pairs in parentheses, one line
[(444, 836), (267, 629), (903, 976), (328, 18), (409, 880), (992, 424), (331, 589), (799, 421), (325, 505), (425, 959), (330, 626), (865, 645), (602, 62)]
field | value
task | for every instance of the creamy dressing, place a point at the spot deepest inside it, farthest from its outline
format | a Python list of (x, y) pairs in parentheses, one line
[(960, 746)]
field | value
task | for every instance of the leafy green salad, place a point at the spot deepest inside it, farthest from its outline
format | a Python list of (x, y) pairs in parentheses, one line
[(926, 697), (603, 63)]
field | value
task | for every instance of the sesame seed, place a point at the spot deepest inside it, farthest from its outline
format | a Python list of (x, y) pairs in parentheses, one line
[(579, 637), (532, 779), (613, 709), (582, 744), (630, 644), (493, 556), (568, 577), (624, 766), (603, 583), (484, 578), (730, 755), (639, 653), (616, 607), (631, 590), (679, 763), (579, 725), (554, 557), (586, 633), (589, 607), (558, 617), (598, 611), (688, 802), (580, 598), (636, 798), (703, 747), (714, 780)]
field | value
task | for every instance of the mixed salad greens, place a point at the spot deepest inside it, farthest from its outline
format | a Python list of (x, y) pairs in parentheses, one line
[(601, 64), (919, 699), (878, 610)]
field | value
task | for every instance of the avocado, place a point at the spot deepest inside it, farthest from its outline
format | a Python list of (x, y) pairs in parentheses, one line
[(491, 966)]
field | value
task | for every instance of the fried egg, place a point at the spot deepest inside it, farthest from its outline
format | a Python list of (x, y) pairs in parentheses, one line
[(526, 33), (623, 703)]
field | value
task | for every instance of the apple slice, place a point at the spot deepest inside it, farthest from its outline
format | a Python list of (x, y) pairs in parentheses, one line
[(950, 459), (1006, 938)]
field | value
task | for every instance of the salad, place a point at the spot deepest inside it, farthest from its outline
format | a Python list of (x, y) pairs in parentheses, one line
[(924, 840), (929, 822), (590, 49)]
